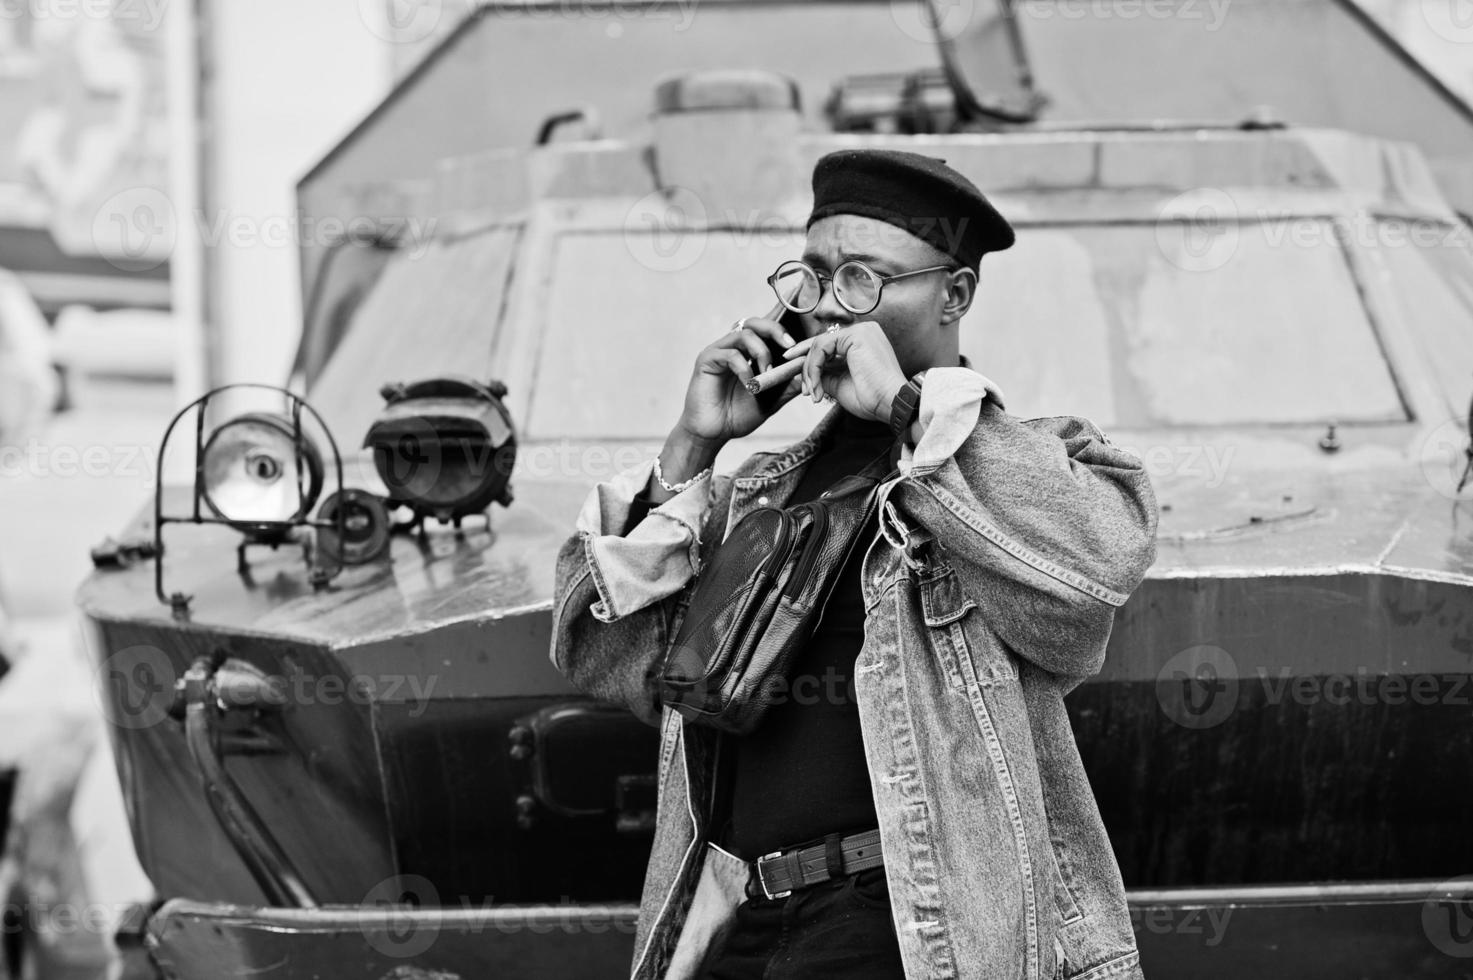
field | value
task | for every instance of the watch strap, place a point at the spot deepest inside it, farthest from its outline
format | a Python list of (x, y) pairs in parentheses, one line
[(906, 405)]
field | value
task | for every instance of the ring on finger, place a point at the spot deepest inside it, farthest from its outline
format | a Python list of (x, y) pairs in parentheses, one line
[(740, 325)]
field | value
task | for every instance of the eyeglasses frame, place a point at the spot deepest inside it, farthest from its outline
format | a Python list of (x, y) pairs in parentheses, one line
[(879, 293)]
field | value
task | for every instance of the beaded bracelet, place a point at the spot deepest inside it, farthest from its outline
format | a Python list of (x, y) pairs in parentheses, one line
[(684, 484)]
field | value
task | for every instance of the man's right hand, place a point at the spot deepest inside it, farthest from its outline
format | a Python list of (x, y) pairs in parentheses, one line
[(718, 406)]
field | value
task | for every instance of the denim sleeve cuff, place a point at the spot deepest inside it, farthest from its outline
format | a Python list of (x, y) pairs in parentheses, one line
[(659, 554), (951, 403)]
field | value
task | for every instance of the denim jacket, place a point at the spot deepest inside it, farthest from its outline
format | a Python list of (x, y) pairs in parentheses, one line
[(997, 860)]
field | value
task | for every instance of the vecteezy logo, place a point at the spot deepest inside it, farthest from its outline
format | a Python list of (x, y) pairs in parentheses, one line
[(1447, 917), (135, 229), (1198, 231), (928, 21), (1198, 687), (135, 687), (1451, 20), (665, 231), (415, 458), (1443, 457), (401, 21), (411, 916)]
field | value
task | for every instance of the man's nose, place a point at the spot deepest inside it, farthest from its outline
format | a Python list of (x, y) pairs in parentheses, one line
[(829, 309)]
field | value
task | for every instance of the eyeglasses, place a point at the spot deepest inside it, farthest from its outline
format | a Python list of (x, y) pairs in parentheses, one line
[(857, 287)]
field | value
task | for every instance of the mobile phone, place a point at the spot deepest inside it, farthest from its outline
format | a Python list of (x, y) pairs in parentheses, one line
[(792, 323)]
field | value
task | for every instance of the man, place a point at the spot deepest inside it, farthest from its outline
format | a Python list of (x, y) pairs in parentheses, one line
[(937, 822)]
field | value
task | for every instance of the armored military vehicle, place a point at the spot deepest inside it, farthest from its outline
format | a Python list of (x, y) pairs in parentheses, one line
[(342, 744)]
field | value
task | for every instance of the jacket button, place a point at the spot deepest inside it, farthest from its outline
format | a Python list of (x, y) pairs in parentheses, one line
[(761, 501)]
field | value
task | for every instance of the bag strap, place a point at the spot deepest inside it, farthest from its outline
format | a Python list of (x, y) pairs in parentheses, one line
[(916, 542), (869, 477), (880, 468)]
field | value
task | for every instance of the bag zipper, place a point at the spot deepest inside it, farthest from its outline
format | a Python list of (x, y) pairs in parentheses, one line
[(770, 567), (779, 553), (816, 532), (779, 548)]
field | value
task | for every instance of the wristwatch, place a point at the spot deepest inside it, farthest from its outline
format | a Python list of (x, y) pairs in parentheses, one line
[(906, 405)]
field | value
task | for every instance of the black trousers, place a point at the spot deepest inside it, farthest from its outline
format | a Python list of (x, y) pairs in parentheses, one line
[(840, 928)]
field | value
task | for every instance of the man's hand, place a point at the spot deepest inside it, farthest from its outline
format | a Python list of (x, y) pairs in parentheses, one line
[(718, 406), (857, 366)]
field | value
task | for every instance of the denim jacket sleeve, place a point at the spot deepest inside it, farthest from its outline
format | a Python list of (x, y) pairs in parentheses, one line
[(1050, 526), (616, 595)]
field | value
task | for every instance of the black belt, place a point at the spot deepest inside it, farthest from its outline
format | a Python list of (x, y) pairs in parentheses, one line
[(780, 873)]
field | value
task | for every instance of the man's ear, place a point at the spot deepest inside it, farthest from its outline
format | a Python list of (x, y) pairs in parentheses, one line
[(960, 292)]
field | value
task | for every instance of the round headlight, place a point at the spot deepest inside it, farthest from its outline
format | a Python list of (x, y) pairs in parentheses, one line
[(255, 472), (364, 523), (444, 447)]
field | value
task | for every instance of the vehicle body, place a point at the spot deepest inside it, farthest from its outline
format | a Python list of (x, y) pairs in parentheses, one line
[(1276, 319)]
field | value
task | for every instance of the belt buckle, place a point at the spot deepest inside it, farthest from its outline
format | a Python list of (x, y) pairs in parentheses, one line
[(762, 880)]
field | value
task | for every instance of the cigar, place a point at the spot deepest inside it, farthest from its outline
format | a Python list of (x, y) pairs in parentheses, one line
[(782, 372)]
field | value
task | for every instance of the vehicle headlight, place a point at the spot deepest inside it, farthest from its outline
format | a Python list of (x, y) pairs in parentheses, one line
[(353, 527), (444, 447), (260, 472)]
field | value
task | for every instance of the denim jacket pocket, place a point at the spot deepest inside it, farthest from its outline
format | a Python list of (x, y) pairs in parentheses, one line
[(943, 607), (1069, 910), (955, 634)]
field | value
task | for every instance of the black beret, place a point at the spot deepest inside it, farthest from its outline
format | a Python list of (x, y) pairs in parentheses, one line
[(918, 193)]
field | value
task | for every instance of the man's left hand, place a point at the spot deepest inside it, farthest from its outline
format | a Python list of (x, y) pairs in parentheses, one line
[(855, 365)]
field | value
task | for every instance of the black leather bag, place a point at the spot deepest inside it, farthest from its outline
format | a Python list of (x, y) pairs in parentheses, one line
[(758, 601)]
